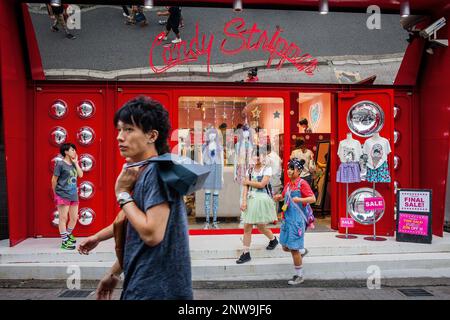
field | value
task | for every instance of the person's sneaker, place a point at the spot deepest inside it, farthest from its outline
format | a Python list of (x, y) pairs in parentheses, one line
[(54, 28), (162, 38), (272, 244), (72, 239), (245, 257), (206, 226), (304, 253), (70, 36), (67, 245), (177, 40), (215, 225), (295, 280)]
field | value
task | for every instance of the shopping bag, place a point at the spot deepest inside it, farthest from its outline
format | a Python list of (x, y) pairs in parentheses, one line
[(181, 173)]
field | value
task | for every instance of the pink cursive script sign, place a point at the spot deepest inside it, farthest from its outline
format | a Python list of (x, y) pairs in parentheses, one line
[(237, 39)]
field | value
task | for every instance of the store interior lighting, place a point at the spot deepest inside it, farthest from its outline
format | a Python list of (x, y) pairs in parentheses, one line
[(55, 3)]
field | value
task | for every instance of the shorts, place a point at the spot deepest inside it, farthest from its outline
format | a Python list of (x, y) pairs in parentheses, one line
[(349, 172), (380, 174), (65, 202)]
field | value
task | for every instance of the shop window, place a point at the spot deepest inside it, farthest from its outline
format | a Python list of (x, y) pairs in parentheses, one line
[(227, 131), (310, 140)]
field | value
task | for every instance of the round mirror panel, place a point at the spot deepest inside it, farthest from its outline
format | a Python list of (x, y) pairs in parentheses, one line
[(355, 206), (55, 218), (87, 216), (396, 111), (396, 162), (86, 190), (86, 136), (365, 118), (53, 162), (86, 110), (396, 137), (58, 109), (58, 136), (396, 186), (86, 162)]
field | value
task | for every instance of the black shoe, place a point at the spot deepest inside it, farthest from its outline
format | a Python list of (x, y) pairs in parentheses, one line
[(272, 244), (70, 36), (54, 29), (245, 257)]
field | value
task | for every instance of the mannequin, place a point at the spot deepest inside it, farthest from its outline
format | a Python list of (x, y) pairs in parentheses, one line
[(349, 152), (212, 156), (377, 149), (243, 156)]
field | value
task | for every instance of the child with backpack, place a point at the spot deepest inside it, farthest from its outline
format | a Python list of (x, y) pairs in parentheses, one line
[(297, 216)]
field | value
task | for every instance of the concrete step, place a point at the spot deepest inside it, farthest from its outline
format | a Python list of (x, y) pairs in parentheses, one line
[(222, 247), (320, 268)]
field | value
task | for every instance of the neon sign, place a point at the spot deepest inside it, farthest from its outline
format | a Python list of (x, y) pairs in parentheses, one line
[(252, 39)]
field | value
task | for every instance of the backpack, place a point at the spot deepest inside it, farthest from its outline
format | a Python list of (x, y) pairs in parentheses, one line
[(307, 212)]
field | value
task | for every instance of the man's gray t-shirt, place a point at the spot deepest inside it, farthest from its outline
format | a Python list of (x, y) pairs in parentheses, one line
[(164, 271), (66, 187)]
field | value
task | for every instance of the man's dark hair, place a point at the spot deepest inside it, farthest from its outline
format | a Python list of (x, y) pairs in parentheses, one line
[(299, 143), (223, 126), (65, 147), (147, 114), (302, 122), (239, 126)]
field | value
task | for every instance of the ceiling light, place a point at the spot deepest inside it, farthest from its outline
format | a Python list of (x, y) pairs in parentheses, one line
[(237, 6), (323, 6), (404, 9), (148, 4), (55, 3)]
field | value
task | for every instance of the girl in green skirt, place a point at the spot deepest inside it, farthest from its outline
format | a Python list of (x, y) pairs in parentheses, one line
[(257, 206)]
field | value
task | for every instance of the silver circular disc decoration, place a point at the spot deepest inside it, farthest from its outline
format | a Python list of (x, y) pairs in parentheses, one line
[(86, 109), (365, 118), (86, 217), (87, 162), (53, 162), (86, 190), (355, 206), (58, 136), (86, 136), (396, 162), (396, 186), (396, 111), (58, 110), (396, 137), (55, 218)]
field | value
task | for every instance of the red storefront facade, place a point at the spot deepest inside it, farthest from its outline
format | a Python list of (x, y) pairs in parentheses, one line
[(420, 92)]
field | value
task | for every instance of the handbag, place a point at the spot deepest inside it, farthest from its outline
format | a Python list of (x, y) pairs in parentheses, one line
[(181, 173)]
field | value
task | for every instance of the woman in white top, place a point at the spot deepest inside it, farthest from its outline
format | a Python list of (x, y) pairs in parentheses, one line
[(257, 207), (301, 152)]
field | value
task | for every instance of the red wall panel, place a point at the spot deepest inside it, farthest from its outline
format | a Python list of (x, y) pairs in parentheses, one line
[(384, 99), (435, 126), (17, 117)]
